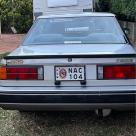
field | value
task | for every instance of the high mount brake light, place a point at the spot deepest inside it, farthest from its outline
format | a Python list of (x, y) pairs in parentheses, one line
[(21, 73), (111, 72)]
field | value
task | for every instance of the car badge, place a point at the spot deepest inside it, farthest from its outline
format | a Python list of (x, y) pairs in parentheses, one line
[(69, 59)]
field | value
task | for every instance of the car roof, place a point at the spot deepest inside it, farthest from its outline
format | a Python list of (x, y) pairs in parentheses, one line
[(93, 14)]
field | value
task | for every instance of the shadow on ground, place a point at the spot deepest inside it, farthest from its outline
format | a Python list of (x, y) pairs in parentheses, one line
[(66, 124)]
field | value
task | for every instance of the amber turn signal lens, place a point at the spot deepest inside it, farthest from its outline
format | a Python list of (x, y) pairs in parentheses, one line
[(3, 73)]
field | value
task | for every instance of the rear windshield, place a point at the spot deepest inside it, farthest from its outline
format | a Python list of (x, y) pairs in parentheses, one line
[(75, 30)]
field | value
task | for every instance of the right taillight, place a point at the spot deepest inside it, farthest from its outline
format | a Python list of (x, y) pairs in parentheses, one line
[(111, 72)]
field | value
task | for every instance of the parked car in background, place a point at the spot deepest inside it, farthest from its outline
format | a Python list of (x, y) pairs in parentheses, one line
[(68, 62)]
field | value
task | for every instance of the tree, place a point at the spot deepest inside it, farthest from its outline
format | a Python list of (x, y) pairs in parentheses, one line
[(104, 5), (17, 13), (124, 9)]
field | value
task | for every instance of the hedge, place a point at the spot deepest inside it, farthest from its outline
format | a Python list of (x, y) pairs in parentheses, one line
[(17, 13), (124, 9)]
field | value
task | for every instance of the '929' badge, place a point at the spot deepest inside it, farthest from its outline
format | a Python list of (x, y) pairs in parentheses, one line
[(15, 62)]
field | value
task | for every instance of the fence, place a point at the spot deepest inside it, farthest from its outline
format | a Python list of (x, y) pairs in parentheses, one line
[(132, 30)]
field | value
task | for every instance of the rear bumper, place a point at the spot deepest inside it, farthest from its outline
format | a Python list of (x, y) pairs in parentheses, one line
[(68, 100)]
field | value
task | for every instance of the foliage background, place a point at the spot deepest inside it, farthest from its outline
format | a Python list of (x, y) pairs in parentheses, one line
[(16, 13), (124, 9), (19, 13)]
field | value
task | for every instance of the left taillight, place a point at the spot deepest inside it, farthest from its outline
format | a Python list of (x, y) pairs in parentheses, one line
[(21, 73), (113, 72)]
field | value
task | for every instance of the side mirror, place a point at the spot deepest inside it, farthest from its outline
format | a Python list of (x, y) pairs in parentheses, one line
[(127, 31)]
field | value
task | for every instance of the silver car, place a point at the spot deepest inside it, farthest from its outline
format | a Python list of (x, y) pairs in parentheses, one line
[(68, 62)]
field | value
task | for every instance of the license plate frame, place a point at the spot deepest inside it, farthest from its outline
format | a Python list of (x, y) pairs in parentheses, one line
[(66, 67)]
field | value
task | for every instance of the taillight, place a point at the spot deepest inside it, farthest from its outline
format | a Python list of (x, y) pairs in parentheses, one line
[(111, 72), (21, 73)]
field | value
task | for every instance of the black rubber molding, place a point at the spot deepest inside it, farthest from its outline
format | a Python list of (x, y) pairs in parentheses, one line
[(72, 56)]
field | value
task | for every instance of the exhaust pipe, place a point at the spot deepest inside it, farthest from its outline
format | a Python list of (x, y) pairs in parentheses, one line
[(103, 112)]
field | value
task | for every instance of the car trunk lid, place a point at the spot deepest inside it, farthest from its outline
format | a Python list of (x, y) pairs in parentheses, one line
[(88, 56)]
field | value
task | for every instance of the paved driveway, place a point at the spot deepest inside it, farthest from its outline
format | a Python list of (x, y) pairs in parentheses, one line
[(8, 42)]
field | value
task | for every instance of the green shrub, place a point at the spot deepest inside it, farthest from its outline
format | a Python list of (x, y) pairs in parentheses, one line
[(124, 9), (17, 13)]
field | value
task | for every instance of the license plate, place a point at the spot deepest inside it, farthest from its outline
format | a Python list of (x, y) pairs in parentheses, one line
[(70, 73)]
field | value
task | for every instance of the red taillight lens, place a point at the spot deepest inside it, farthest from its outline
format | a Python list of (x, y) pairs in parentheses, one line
[(22, 73), (22, 70), (118, 72)]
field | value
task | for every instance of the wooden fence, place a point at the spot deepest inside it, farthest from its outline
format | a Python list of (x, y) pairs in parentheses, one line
[(132, 30)]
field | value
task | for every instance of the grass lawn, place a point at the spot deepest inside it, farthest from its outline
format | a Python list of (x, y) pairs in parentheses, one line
[(14, 123)]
